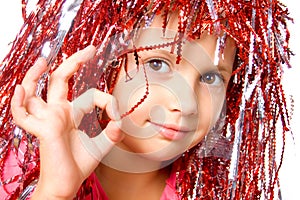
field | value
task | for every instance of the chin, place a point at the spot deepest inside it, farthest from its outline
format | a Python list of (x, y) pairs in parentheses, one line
[(161, 149)]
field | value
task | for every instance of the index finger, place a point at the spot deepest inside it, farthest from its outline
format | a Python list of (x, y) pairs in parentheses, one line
[(86, 102), (58, 87)]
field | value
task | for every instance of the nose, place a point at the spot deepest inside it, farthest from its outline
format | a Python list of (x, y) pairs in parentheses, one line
[(184, 98)]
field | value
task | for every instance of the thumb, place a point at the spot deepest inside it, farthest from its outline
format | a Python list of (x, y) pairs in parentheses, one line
[(100, 145)]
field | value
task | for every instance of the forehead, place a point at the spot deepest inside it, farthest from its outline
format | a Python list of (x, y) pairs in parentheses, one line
[(204, 49), (168, 40)]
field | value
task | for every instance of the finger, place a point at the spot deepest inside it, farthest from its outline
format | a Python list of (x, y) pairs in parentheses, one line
[(100, 145), (35, 106), (86, 102), (20, 115), (17, 108), (31, 78), (30, 106), (58, 87), (113, 131)]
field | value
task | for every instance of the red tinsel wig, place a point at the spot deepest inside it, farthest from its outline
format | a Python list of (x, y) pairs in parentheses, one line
[(242, 163)]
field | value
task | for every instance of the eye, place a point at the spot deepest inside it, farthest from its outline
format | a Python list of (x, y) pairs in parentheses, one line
[(212, 78), (158, 65)]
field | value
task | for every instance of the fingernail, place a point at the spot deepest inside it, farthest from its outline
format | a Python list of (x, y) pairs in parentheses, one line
[(39, 61), (89, 51)]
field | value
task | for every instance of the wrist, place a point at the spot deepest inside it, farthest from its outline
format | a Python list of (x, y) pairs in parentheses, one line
[(47, 194), (42, 195)]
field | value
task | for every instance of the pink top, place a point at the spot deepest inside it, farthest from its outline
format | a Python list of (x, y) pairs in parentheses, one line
[(168, 193), (95, 190)]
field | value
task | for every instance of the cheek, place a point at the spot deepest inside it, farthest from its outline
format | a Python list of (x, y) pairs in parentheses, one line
[(133, 107), (129, 92), (135, 104), (210, 104)]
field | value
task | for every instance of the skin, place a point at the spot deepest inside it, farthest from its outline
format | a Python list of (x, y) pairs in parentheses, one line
[(64, 155)]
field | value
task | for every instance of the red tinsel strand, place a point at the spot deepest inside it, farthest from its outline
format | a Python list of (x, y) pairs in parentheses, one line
[(143, 98), (165, 14), (272, 137), (22, 46)]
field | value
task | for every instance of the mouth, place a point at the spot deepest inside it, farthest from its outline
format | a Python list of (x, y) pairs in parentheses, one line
[(171, 131)]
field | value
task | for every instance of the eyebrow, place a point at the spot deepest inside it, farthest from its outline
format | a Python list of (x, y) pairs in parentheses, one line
[(167, 38), (165, 52)]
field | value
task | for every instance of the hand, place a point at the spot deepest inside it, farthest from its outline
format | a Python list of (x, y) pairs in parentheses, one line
[(65, 160)]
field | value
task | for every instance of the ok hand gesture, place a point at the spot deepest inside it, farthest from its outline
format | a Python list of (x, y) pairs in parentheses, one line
[(67, 155)]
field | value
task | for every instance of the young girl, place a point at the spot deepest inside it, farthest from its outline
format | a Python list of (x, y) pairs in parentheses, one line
[(180, 100)]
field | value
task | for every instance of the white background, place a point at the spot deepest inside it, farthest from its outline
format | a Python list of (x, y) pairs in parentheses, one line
[(11, 21)]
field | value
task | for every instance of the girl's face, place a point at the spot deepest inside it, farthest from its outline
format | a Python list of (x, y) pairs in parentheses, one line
[(184, 100)]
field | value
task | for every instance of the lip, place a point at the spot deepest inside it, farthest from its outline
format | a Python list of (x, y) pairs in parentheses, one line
[(171, 131)]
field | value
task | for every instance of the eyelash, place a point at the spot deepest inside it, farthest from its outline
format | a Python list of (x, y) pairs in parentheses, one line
[(216, 74), (156, 60)]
